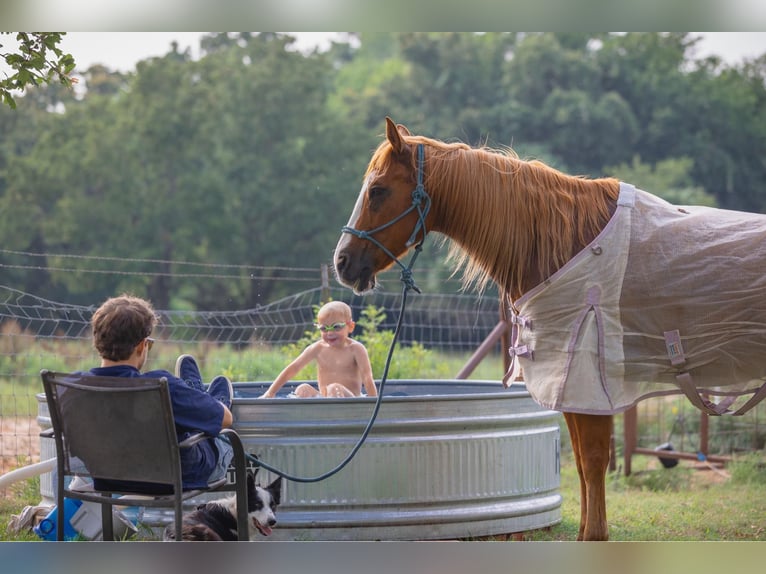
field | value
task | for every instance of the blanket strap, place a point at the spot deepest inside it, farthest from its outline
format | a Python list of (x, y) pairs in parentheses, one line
[(759, 395), (516, 350), (686, 383), (706, 406)]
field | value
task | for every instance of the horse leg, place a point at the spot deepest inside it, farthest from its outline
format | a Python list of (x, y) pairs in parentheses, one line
[(591, 436), (578, 463)]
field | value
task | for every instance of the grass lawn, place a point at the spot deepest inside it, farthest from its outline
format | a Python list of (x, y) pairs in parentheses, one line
[(684, 503)]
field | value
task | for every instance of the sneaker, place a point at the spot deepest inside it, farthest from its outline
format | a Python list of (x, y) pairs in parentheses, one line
[(222, 390), (187, 369)]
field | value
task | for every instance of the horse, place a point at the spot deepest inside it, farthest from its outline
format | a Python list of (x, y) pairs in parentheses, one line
[(528, 227)]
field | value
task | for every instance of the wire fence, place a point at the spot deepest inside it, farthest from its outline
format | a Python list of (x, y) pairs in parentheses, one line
[(37, 333)]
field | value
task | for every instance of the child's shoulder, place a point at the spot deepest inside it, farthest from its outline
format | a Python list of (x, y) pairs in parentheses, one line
[(354, 344)]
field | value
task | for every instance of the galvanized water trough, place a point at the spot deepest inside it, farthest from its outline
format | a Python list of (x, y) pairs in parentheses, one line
[(445, 459)]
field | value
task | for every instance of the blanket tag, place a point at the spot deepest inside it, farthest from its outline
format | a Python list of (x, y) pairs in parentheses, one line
[(674, 347), (521, 321)]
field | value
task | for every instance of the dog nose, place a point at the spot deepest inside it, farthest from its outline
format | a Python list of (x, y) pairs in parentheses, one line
[(272, 521)]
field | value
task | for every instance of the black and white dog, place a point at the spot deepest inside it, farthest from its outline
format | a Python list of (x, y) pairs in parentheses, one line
[(217, 520)]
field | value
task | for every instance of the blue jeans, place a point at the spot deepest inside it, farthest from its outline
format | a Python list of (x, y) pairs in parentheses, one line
[(225, 454)]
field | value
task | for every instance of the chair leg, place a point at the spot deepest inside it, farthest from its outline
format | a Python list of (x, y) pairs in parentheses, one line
[(243, 531), (107, 527), (179, 512), (60, 504), (240, 485), (60, 520)]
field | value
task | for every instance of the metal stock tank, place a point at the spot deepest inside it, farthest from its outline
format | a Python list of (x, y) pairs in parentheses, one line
[(445, 459)]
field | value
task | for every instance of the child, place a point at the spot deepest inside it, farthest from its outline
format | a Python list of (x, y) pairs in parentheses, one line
[(343, 365)]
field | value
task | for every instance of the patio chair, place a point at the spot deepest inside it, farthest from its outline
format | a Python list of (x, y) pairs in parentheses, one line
[(122, 429)]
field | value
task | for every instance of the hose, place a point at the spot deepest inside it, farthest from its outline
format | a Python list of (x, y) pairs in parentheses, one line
[(27, 472)]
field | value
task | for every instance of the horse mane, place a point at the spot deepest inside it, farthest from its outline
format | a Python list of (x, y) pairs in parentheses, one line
[(519, 220)]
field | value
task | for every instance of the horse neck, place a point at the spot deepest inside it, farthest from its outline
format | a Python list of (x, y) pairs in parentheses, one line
[(512, 221)]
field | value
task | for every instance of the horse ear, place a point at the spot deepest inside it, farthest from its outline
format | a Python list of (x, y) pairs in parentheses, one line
[(394, 135)]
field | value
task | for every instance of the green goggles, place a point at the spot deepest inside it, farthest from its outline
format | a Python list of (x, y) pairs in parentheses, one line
[(333, 327)]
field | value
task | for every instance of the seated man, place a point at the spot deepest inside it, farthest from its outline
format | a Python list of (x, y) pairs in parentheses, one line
[(121, 334)]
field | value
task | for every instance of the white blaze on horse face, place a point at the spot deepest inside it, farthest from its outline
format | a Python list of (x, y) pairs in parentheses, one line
[(345, 237), (359, 201)]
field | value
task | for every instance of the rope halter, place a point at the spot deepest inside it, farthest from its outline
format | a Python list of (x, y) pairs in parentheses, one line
[(421, 202)]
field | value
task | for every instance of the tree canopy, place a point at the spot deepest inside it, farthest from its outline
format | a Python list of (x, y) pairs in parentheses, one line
[(252, 154), (37, 60)]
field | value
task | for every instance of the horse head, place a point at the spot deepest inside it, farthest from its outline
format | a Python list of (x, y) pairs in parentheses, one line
[(390, 213)]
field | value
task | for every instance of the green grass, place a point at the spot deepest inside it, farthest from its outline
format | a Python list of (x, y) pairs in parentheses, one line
[(17, 496), (654, 503), (257, 363), (18, 400), (678, 504), (683, 503)]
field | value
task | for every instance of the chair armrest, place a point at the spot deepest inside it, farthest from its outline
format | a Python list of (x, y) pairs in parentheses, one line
[(240, 478), (192, 440), (236, 443)]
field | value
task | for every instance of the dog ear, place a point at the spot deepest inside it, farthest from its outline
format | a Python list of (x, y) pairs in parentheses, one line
[(275, 488), (254, 468), (250, 481)]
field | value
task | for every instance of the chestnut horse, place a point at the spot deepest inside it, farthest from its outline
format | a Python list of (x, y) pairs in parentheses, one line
[(510, 221)]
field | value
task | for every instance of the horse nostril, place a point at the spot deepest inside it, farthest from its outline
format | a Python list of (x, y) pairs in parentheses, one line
[(340, 262)]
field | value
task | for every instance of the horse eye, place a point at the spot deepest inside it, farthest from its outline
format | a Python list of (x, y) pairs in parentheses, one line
[(378, 195), (377, 192)]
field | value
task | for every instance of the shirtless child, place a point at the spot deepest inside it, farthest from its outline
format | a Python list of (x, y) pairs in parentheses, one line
[(342, 363)]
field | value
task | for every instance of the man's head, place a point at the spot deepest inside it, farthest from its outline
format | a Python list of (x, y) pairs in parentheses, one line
[(120, 325)]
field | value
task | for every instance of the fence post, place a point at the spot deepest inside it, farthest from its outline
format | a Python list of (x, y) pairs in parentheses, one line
[(704, 433), (325, 273), (482, 350), (630, 433)]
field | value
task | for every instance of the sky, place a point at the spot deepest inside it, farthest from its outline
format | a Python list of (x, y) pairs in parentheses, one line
[(121, 50)]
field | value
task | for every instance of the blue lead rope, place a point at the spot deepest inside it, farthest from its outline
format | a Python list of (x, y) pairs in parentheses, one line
[(421, 202), (368, 428)]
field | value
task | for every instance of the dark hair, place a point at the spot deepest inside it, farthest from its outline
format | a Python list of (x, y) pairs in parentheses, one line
[(120, 324)]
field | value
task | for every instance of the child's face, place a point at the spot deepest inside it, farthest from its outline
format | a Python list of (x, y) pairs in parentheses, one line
[(334, 327)]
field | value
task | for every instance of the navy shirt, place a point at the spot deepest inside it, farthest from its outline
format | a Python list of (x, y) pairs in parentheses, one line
[(193, 411)]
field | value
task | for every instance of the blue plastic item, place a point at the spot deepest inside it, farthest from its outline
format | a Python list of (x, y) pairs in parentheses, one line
[(47, 527)]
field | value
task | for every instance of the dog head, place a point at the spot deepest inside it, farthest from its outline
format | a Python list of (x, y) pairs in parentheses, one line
[(262, 503)]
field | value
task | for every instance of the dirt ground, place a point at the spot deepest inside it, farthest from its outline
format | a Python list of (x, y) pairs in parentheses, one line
[(19, 442)]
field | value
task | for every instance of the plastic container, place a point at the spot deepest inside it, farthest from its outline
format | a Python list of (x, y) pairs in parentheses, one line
[(47, 527)]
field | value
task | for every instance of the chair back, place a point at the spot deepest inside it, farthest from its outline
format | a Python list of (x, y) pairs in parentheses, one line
[(118, 427)]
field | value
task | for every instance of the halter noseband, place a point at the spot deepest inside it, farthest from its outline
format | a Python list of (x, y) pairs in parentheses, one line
[(421, 202)]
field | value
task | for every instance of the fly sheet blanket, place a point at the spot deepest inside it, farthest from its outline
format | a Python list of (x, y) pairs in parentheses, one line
[(665, 300)]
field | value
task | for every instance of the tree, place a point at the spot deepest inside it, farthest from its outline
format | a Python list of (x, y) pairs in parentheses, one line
[(205, 184), (669, 179), (38, 61)]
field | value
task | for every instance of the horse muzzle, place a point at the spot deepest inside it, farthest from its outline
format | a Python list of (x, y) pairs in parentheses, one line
[(354, 272)]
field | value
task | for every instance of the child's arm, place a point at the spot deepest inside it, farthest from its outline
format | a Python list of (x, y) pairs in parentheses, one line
[(291, 370), (365, 370)]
